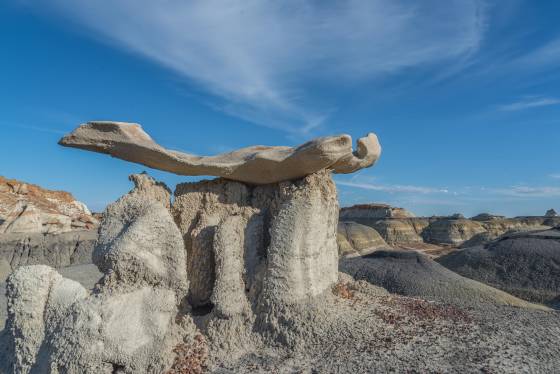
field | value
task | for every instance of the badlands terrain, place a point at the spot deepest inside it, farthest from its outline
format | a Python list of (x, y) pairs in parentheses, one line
[(233, 276)]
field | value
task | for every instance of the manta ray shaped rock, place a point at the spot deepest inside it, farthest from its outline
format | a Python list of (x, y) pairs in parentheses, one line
[(254, 165)]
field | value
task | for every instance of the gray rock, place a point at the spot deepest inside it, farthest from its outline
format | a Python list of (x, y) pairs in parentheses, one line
[(452, 231), (129, 323), (413, 274), (139, 244), (56, 250), (353, 239), (524, 264)]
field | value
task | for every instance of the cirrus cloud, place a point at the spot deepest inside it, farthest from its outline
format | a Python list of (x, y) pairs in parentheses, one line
[(260, 58)]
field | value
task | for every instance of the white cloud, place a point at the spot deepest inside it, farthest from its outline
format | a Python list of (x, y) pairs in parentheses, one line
[(529, 102), (38, 128), (394, 188), (555, 176), (261, 58), (528, 191), (547, 55)]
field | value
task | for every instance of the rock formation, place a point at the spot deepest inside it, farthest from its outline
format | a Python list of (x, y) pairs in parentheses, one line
[(129, 323), (524, 264), (372, 212), (236, 262), (27, 208), (39, 226), (413, 274), (486, 217), (254, 165), (397, 231), (57, 250), (452, 231), (356, 239)]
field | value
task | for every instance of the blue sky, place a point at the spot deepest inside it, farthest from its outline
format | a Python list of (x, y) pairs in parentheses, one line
[(463, 94)]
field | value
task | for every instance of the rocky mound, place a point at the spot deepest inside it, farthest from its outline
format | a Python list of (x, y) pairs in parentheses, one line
[(486, 217), (396, 231), (479, 239), (452, 231), (27, 208), (372, 212), (353, 238), (413, 274), (524, 264)]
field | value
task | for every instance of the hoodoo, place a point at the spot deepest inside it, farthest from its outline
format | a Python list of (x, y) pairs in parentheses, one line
[(238, 259)]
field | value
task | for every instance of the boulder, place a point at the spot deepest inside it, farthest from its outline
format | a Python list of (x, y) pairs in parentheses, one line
[(452, 231), (362, 239), (254, 165)]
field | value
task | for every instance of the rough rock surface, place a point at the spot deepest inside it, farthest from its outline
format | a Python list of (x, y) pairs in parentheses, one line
[(27, 208), (255, 165), (56, 250), (523, 264), (397, 231), (413, 274), (373, 212), (452, 231), (149, 188), (354, 238), (486, 217), (271, 249), (291, 224), (129, 323)]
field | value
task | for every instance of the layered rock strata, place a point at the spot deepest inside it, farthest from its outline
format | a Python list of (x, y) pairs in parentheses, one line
[(356, 239), (27, 208)]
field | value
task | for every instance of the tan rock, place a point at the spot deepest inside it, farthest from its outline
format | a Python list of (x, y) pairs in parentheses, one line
[(452, 231), (354, 238), (148, 187), (397, 231), (27, 208), (255, 165), (373, 211)]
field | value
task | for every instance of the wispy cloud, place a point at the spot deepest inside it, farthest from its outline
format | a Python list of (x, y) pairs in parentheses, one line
[(554, 176), (528, 191), (262, 58), (393, 188), (45, 129), (529, 103), (547, 55)]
